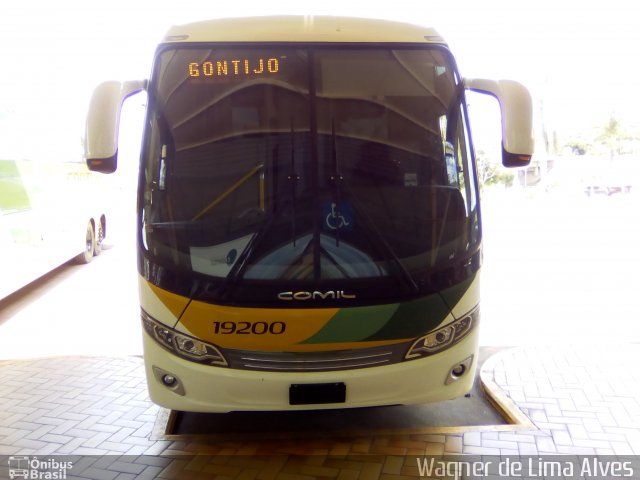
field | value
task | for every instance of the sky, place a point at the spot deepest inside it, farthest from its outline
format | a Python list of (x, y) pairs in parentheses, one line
[(579, 58)]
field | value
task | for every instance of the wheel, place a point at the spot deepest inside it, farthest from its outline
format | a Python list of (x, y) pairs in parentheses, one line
[(97, 247), (89, 245)]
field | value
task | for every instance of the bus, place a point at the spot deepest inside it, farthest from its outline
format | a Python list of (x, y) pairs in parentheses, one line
[(50, 213), (308, 222)]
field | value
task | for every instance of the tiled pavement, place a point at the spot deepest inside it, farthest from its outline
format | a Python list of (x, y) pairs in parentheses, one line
[(583, 401)]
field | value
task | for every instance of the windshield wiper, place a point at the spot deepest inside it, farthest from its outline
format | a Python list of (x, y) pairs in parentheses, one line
[(237, 271), (293, 178), (336, 177), (386, 249)]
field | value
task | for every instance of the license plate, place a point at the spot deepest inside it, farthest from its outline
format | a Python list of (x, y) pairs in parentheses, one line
[(317, 393)]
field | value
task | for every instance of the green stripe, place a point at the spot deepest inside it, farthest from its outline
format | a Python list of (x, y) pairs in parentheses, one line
[(413, 319), (453, 294), (354, 324), (391, 322)]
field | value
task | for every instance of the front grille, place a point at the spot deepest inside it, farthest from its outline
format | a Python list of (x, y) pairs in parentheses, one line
[(315, 361)]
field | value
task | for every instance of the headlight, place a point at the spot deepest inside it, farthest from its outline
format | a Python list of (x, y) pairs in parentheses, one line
[(182, 345), (444, 337)]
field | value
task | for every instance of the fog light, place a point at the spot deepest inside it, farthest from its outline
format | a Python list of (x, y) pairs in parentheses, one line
[(459, 370), (169, 380)]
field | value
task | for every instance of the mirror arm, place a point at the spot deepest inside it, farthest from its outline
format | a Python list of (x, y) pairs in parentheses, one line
[(103, 121), (517, 118)]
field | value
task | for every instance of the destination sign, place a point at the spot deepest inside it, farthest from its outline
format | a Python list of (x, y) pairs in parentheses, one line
[(234, 67)]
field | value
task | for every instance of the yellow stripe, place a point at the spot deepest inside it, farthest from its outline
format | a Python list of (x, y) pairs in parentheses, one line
[(174, 302), (300, 324)]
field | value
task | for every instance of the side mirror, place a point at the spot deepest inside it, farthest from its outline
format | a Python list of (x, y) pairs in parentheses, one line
[(517, 118), (103, 120)]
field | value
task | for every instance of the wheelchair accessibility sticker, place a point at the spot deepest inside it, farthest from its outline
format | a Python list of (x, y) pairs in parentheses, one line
[(337, 216)]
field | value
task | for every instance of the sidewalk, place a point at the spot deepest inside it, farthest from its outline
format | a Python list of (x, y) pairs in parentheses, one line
[(581, 401)]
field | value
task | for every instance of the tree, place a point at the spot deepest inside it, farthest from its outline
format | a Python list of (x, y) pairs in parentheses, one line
[(491, 173), (613, 136)]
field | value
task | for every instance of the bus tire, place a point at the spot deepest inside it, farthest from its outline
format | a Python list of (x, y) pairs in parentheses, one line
[(97, 245), (89, 247), (101, 234)]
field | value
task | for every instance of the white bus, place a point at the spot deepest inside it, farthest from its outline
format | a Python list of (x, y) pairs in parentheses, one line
[(308, 227), (50, 213)]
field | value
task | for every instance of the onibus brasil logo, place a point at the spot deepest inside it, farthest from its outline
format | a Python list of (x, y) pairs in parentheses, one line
[(34, 468)]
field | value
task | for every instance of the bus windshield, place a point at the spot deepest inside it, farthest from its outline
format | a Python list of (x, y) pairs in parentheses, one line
[(300, 168)]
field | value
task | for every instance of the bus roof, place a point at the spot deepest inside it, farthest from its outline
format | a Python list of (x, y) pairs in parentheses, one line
[(302, 29)]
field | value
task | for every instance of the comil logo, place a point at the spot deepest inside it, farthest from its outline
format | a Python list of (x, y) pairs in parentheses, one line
[(315, 295), (34, 468)]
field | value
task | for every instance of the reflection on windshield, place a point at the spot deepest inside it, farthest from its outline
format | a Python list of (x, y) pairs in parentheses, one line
[(307, 165)]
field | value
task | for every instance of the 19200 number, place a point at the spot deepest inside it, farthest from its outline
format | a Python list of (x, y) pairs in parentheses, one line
[(249, 328)]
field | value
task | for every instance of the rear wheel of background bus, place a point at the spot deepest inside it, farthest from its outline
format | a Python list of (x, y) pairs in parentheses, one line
[(89, 245), (100, 231)]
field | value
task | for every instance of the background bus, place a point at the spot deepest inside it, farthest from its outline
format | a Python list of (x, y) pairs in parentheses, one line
[(49, 215)]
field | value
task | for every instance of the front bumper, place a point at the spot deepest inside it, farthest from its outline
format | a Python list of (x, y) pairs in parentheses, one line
[(204, 388)]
